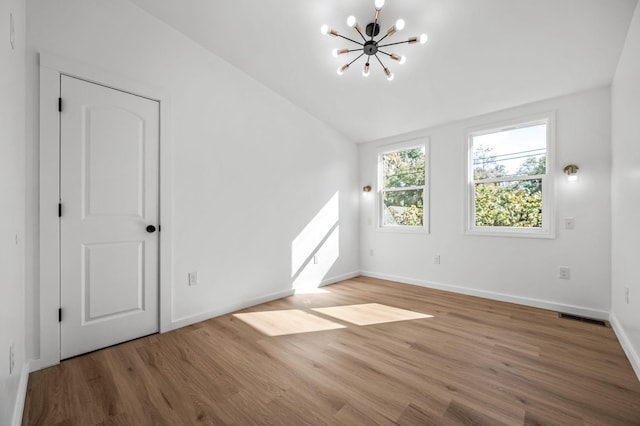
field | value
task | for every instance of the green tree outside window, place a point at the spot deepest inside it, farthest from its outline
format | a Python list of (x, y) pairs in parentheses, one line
[(403, 181)]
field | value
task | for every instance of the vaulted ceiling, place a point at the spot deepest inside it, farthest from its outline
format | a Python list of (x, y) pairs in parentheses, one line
[(482, 55)]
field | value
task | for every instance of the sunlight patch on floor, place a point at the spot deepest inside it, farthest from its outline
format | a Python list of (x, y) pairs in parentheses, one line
[(370, 313), (289, 321)]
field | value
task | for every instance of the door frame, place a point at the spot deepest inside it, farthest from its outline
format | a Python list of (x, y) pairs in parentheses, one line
[(51, 68)]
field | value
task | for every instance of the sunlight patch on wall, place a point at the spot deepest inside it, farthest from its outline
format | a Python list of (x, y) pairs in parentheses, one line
[(314, 271), (316, 249), (370, 313), (290, 321)]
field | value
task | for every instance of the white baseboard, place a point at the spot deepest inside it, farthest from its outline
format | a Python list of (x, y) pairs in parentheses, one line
[(339, 278), (632, 355), (38, 364), (192, 319), (536, 303), (18, 408)]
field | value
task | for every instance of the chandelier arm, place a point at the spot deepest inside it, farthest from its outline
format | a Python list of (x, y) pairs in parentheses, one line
[(351, 40), (393, 44), (375, 22), (381, 64), (359, 56), (383, 52), (385, 36), (361, 35)]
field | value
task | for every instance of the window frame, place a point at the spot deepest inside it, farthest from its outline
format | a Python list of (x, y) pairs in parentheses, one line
[(422, 142), (547, 230)]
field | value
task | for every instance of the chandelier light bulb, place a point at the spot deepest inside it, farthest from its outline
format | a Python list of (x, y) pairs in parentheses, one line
[(365, 71), (342, 69), (326, 30), (400, 59), (389, 74), (351, 21), (336, 52), (379, 4), (399, 25), (423, 38), (358, 29)]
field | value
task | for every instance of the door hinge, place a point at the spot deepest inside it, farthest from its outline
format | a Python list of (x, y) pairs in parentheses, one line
[(59, 209), (59, 314), (60, 104)]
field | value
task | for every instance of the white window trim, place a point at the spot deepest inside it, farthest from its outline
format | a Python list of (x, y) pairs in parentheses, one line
[(548, 192), (384, 149)]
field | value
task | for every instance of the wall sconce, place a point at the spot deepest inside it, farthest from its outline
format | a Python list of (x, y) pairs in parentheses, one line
[(572, 172), (366, 188)]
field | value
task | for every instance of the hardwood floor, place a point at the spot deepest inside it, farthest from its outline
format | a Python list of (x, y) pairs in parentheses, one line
[(452, 360)]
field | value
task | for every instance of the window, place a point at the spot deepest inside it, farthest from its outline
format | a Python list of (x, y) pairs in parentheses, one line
[(510, 183), (403, 182)]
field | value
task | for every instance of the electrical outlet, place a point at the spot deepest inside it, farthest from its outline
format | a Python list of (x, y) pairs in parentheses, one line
[(569, 223), (564, 273), (436, 259), (626, 295), (12, 359), (193, 278)]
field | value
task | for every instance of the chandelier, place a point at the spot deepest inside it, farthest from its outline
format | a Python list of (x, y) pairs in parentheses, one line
[(370, 46)]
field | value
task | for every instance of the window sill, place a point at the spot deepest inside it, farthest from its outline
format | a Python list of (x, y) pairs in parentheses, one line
[(511, 233), (404, 229)]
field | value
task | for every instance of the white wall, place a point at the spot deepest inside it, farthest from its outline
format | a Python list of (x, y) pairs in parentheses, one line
[(251, 170), (12, 206), (625, 193), (518, 269)]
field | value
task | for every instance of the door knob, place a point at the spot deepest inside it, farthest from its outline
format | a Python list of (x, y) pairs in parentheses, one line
[(151, 229)]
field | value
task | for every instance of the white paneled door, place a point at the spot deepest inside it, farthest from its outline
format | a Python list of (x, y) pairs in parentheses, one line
[(109, 224)]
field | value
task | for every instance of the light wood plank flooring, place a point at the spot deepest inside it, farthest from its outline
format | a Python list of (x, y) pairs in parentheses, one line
[(386, 354)]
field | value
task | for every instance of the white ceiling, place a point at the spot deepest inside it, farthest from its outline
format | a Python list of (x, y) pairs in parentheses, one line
[(482, 55)]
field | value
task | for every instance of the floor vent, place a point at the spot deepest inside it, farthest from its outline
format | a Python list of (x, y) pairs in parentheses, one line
[(583, 319)]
